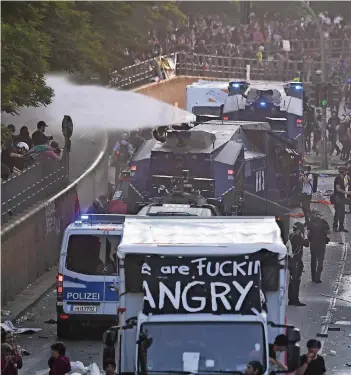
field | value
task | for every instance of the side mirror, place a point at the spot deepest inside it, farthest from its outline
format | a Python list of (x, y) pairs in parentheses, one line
[(110, 336), (294, 335)]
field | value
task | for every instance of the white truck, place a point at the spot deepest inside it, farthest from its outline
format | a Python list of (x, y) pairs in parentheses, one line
[(200, 295)]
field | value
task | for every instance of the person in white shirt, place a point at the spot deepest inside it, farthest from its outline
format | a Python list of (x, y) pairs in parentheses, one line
[(306, 195)]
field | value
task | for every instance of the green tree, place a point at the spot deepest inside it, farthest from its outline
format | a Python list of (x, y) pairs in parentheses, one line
[(87, 38), (25, 51), (75, 45), (38, 37)]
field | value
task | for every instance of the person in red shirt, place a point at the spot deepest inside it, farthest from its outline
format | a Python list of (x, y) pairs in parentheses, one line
[(58, 363), (8, 366)]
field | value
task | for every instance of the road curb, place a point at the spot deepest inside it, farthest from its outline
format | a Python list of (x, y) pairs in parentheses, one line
[(25, 300)]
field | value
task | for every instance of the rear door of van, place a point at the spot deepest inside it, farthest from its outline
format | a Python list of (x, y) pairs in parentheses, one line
[(87, 269)]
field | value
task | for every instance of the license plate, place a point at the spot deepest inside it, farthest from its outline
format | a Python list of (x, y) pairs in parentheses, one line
[(90, 309)]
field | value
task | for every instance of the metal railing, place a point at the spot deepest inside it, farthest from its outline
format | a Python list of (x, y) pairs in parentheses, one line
[(234, 67), (40, 181), (221, 67)]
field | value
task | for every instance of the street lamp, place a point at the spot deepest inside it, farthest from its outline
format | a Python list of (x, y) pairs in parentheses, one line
[(324, 153)]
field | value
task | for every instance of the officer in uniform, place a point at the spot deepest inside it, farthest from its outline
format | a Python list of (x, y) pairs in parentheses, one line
[(297, 77), (318, 230), (298, 242)]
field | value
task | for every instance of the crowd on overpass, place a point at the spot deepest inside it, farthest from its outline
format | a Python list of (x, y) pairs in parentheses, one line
[(264, 33), (19, 151)]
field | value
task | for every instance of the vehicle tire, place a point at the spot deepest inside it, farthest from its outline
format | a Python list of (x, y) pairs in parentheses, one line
[(63, 329)]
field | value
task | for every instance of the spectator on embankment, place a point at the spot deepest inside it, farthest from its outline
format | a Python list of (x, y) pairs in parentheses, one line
[(24, 136), (38, 137)]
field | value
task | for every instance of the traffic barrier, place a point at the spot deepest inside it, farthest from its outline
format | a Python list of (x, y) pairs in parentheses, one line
[(31, 244)]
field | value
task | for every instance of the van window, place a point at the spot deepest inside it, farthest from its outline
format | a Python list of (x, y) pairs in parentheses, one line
[(92, 255)]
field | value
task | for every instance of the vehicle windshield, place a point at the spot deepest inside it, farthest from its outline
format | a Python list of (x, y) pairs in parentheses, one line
[(92, 255), (207, 111), (215, 346), (270, 95)]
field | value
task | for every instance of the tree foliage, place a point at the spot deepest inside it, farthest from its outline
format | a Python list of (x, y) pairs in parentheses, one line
[(83, 37)]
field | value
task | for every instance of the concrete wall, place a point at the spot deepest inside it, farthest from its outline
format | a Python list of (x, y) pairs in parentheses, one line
[(31, 245), (171, 91)]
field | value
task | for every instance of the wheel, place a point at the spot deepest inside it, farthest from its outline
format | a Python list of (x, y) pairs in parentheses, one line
[(63, 329)]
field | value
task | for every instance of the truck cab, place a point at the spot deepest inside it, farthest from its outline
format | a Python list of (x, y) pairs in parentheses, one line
[(200, 295)]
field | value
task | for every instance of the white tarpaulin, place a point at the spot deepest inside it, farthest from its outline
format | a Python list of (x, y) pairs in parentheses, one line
[(9, 327), (77, 369)]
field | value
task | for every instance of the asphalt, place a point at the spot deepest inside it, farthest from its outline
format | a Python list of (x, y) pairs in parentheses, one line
[(327, 314)]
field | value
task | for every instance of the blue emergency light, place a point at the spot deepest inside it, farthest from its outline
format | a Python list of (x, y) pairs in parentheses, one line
[(84, 217), (263, 104), (237, 85), (298, 87)]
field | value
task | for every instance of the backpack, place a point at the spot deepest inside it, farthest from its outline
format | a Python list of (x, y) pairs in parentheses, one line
[(123, 149)]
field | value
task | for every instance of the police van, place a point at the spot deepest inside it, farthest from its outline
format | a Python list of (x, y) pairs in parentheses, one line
[(87, 279)]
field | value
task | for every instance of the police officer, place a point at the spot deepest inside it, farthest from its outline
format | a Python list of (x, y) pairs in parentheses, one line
[(318, 230), (297, 77), (298, 242), (340, 199)]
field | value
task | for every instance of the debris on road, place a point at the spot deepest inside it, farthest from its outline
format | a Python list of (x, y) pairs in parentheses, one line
[(9, 327)]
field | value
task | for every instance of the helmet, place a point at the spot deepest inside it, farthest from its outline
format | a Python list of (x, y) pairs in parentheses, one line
[(318, 71), (261, 48), (298, 226), (23, 145), (315, 213)]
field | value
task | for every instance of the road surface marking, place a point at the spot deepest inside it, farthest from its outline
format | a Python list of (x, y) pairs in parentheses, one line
[(329, 315)]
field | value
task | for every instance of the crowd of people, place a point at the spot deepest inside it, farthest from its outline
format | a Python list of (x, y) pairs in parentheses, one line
[(21, 150), (265, 34), (338, 133)]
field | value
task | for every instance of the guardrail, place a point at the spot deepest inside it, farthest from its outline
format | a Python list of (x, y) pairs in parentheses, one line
[(30, 244), (36, 183)]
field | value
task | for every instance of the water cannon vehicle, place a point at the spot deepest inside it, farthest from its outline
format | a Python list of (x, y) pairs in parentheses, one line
[(280, 104), (238, 167)]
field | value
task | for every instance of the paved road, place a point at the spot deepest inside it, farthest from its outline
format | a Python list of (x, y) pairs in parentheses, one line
[(327, 303)]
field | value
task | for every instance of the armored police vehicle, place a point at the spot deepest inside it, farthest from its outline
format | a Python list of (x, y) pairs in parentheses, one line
[(200, 295), (282, 105), (223, 159)]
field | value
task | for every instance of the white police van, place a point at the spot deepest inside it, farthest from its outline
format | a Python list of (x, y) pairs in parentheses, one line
[(87, 278)]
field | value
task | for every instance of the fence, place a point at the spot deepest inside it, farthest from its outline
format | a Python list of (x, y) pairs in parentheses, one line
[(40, 181), (47, 177), (221, 67)]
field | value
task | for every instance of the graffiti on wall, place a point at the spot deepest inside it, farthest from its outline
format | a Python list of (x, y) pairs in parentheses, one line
[(52, 220)]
